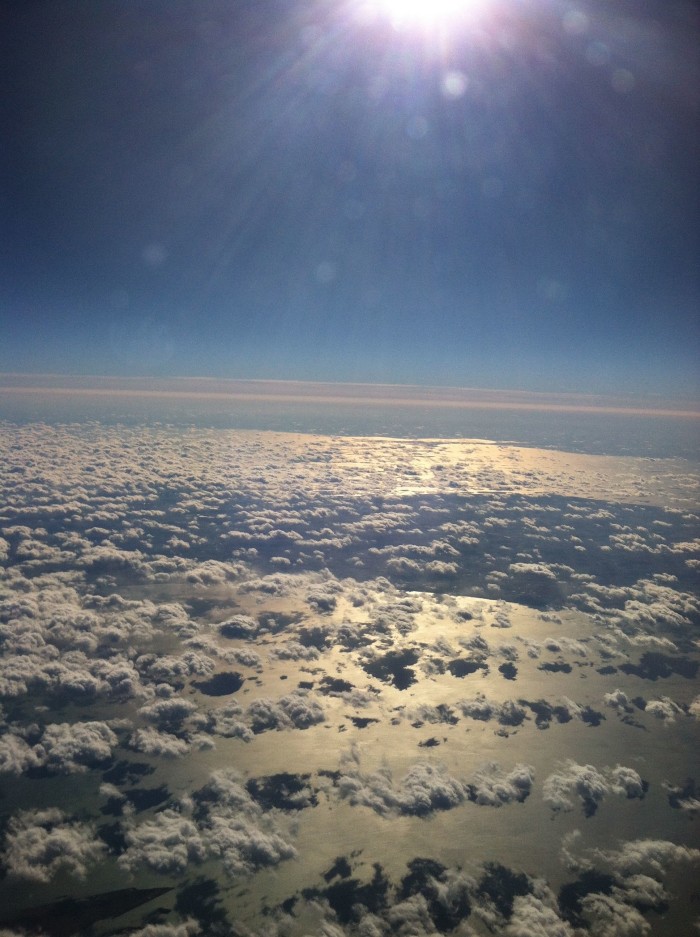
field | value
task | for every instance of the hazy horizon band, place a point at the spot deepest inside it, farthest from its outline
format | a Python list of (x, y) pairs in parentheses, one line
[(450, 400)]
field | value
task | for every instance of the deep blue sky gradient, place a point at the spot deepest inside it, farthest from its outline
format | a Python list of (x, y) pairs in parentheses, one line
[(294, 190)]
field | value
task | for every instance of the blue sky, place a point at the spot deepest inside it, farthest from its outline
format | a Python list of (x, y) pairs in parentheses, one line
[(307, 190)]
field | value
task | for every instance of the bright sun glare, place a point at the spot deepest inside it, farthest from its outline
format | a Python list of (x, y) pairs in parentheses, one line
[(423, 12)]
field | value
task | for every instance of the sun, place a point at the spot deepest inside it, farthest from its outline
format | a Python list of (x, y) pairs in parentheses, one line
[(423, 14)]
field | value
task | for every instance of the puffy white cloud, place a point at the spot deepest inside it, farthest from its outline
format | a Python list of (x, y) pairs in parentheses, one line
[(648, 856), (40, 843), (243, 846), (236, 829), (478, 707), (189, 928), (68, 747), (644, 891), (427, 787), (493, 786), (229, 721), (683, 796), (224, 823), (62, 748), (168, 713), (617, 699), (507, 713), (424, 788), (238, 626), (167, 844), (293, 650), (533, 918), (584, 780), (99, 514), (154, 742), (297, 710), (612, 916), (411, 917), (664, 709), (590, 785), (5, 932), (163, 669), (626, 781), (16, 755)]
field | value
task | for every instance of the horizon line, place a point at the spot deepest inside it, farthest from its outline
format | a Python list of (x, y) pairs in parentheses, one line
[(267, 390)]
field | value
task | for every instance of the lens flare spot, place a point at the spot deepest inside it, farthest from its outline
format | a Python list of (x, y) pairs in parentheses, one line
[(454, 84)]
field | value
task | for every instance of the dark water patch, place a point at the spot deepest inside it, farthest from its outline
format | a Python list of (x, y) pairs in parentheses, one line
[(545, 712), (590, 805), (508, 670), (591, 716), (446, 714), (394, 667), (422, 873), (361, 722), (607, 670), (501, 885), (654, 665), (284, 791), (334, 776), (38, 772), (306, 684), (221, 684), (631, 721), (341, 868), (113, 808), (201, 899), (512, 716), (557, 666), (534, 590), (685, 794), (143, 798), (289, 903), (71, 916), (333, 686), (464, 667), (314, 637), (275, 622), (346, 893), (199, 607), (446, 908), (591, 882), (113, 835)]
